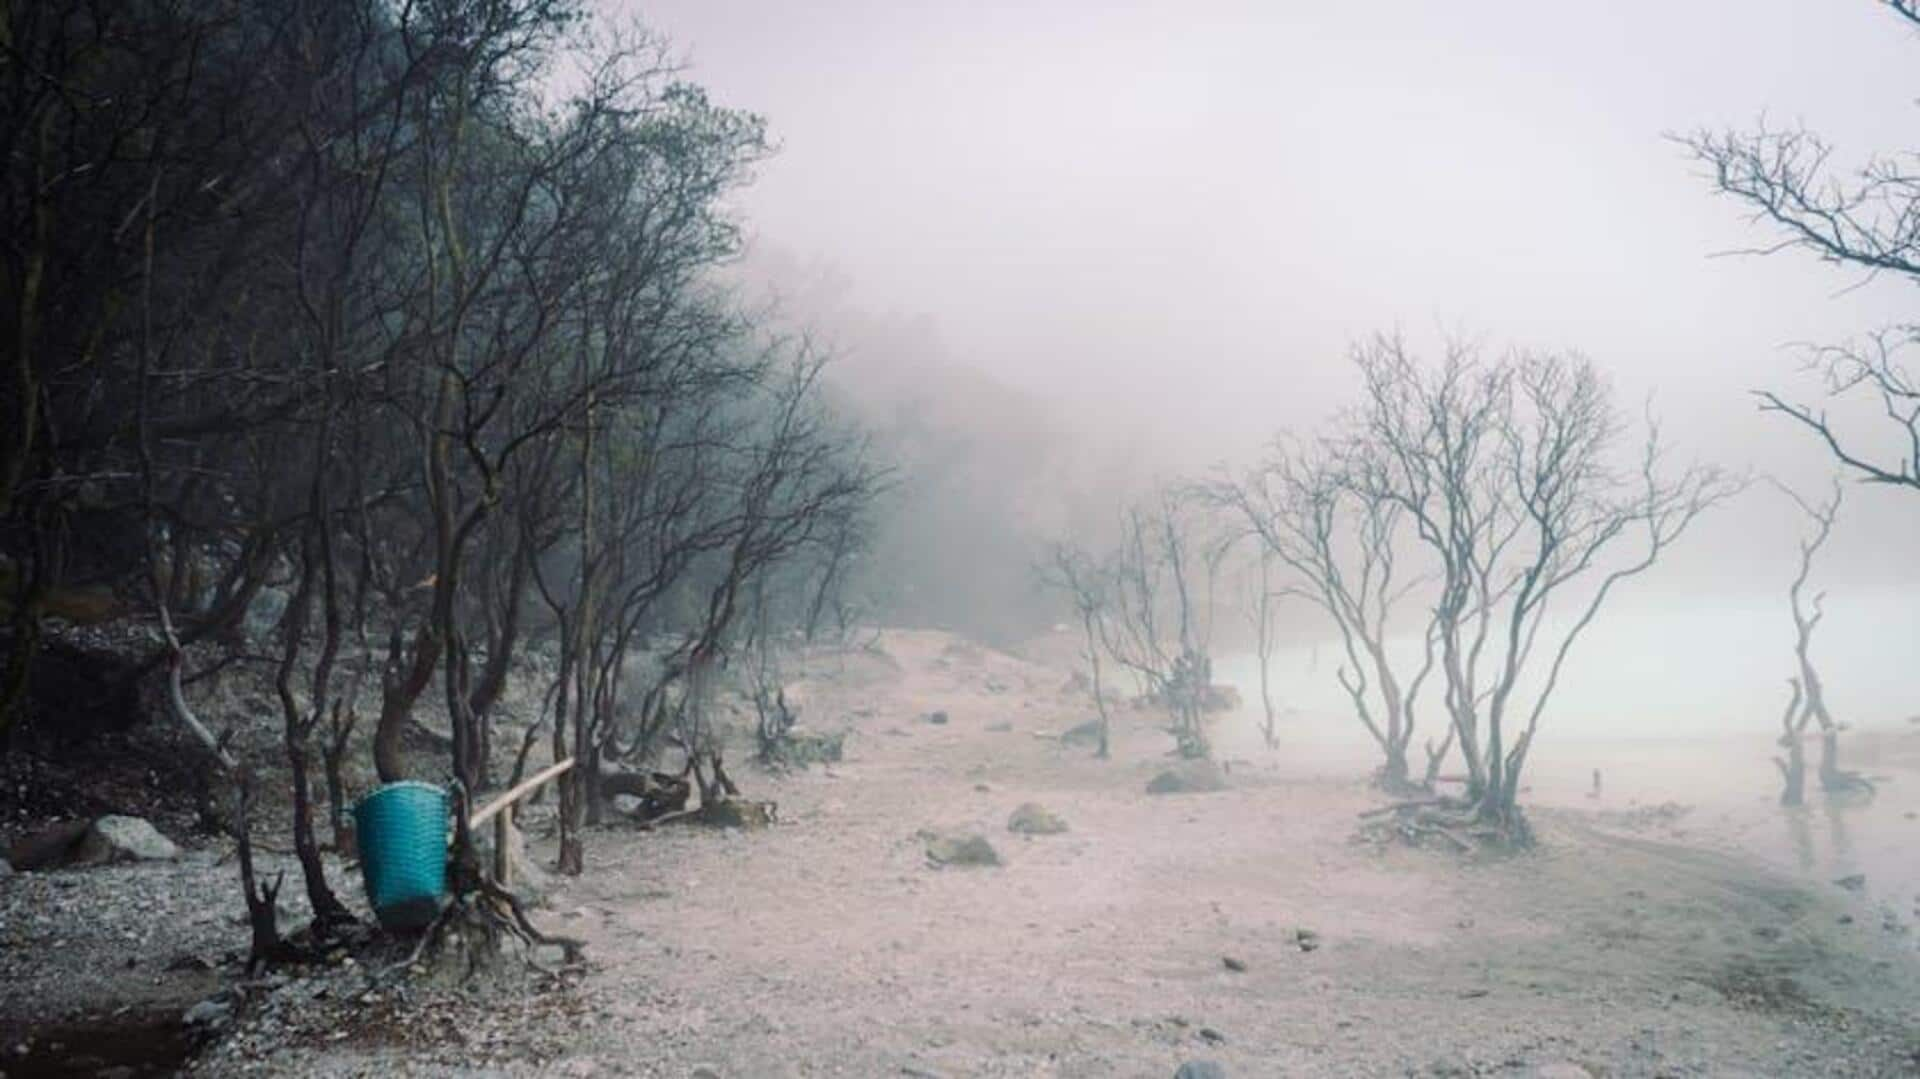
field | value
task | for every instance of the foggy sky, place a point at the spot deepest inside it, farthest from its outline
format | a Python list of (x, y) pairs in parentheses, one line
[(1176, 216)]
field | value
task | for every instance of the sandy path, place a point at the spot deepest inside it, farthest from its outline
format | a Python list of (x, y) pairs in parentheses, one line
[(827, 946)]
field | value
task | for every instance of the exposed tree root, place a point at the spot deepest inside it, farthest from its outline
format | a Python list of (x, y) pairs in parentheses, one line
[(1448, 823), (480, 923)]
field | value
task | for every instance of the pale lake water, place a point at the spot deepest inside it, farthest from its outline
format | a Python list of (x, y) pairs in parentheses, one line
[(1682, 710)]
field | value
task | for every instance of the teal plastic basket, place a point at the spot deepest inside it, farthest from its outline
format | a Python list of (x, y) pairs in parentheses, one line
[(403, 852)]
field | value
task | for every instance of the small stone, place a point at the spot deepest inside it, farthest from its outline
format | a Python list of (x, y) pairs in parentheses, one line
[(1306, 939), (1853, 882), (1200, 1069), (1211, 1036), (938, 719), (960, 849), (1032, 818), (1189, 777), (208, 1013), (123, 839), (1238, 966)]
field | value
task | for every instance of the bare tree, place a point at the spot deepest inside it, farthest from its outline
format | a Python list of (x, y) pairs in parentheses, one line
[(1808, 702), (1086, 584), (1340, 540), (1159, 629), (1868, 222), (1260, 614), (1512, 476)]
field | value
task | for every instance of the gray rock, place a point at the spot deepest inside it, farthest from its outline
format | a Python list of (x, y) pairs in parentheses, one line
[(1032, 818), (208, 1013), (959, 849), (1200, 1069), (114, 839), (938, 719), (1189, 777)]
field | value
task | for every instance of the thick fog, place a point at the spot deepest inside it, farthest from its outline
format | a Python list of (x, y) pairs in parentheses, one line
[(731, 538), (1154, 229)]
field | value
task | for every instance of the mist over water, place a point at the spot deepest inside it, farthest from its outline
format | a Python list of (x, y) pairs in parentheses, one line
[(1717, 670)]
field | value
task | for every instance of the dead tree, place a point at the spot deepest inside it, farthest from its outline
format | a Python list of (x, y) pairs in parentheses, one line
[(1086, 584), (1340, 539), (1512, 474), (482, 918), (1158, 630), (1868, 223), (1809, 704), (775, 718), (1261, 614)]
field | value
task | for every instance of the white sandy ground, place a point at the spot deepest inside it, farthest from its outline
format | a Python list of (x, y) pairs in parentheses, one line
[(828, 946)]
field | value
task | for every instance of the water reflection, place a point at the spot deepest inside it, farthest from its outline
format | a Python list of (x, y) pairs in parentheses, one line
[(1800, 835), (1838, 858)]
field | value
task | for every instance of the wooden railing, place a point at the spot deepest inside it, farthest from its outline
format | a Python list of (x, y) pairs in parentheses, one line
[(496, 811)]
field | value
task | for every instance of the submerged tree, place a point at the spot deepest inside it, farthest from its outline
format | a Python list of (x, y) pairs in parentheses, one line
[(1808, 703)]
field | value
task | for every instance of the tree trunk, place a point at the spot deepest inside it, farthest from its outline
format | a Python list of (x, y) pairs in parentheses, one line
[(333, 757), (1394, 776), (590, 782), (262, 906), (1099, 696), (327, 908), (1793, 773), (398, 690), (1831, 777), (572, 859)]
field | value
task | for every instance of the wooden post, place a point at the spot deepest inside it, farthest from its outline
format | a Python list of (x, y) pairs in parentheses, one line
[(503, 821), (502, 858)]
